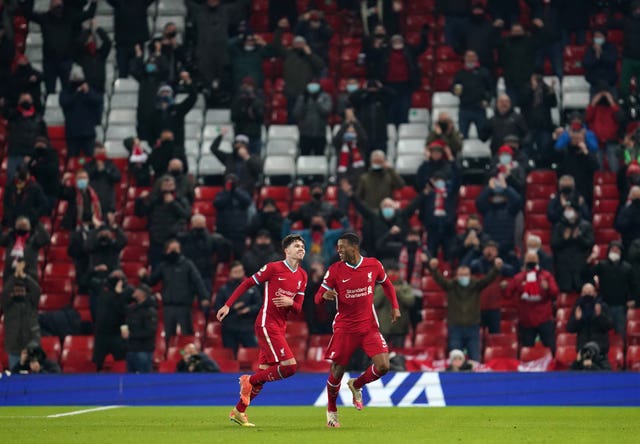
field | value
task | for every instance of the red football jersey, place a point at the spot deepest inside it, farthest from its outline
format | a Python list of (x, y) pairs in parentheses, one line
[(279, 280), (354, 285)]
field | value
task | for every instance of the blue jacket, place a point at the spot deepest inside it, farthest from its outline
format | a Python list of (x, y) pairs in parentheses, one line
[(329, 241), (590, 139)]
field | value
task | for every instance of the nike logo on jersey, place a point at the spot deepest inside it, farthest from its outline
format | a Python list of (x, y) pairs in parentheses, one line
[(346, 280)]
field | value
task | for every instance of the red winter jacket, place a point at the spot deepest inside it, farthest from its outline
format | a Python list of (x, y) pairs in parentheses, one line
[(603, 121), (533, 309)]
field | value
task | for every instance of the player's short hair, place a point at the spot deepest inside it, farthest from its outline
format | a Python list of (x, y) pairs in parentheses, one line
[(351, 238), (291, 238)]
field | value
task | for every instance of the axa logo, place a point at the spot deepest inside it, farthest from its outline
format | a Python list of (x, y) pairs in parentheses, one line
[(401, 390)]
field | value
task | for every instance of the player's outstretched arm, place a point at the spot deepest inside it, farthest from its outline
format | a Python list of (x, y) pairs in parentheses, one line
[(242, 289)]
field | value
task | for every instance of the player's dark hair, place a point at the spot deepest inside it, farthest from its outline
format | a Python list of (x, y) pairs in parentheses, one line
[(351, 238), (291, 238)]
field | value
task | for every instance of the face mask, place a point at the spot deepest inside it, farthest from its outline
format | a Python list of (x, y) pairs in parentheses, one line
[(349, 137), (498, 189), (21, 231), (614, 257), (151, 68), (379, 36), (505, 159), (470, 65), (313, 88), (112, 281), (198, 231), (105, 241), (25, 105), (317, 196), (413, 245), (172, 256), (388, 212), (317, 227), (531, 265), (532, 250), (398, 46), (570, 215), (249, 48), (599, 41), (300, 51), (376, 167), (175, 173), (82, 184), (444, 125), (464, 280), (566, 190), (440, 184), (352, 87)]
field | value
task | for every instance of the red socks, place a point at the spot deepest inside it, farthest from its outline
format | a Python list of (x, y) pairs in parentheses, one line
[(273, 373), (333, 388), (254, 392), (368, 376)]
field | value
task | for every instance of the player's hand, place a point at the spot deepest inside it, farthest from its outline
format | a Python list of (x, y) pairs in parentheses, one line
[(282, 302), (222, 313), (395, 315), (329, 295)]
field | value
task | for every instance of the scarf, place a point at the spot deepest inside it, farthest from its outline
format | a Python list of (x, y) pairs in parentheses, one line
[(17, 252), (416, 273), (350, 157), (95, 205), (531, 291), (441, 195)]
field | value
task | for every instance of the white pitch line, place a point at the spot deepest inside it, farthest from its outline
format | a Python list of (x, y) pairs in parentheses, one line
[(82, 412)]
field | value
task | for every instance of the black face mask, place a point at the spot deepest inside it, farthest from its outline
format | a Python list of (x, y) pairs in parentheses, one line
[(412, 245), (603, 102), (566, 190), (380, 36), (317, 196), (75, 85), (21, 232), (317, 227), (25, 105), (172, 256), (171, 34), (444, 125), (175, 173), (531, 265), (112, 281), (105, 241), (300, 51), (199, 231)]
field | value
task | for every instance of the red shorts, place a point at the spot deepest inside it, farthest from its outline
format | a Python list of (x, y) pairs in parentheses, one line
[(273, 346), (343, 345)]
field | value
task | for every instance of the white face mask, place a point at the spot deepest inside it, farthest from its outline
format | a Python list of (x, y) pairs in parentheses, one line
[(532, 250), (570, 215), (614, 257)]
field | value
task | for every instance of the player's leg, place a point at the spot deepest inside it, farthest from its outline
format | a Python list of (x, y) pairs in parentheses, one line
[(375, 346), (333, 389)]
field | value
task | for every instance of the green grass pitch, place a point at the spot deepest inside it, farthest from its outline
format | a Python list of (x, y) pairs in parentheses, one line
[(306, 425)]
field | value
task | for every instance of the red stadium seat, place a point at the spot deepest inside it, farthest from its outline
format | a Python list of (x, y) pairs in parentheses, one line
[(605, 206), (314, 366), (279, 116), (297, 329), (81, 305), (77, 361), (60, 239), (567, 300), (206, 193), (247, 356), (59, 270), (537, 222), (563, 314), (565, 355), (180, 341), (52, 348), (435, 299), (542, 177), (133, 253), (58, 254), (605, 191), (528, 354), (604, 178), (219, 353), (51, 301), (213, 335), (633, 314), (633, 358), (536, 206), (606, 235), (319, 340), (315, 353), (421, 99), (566, 339), (277, 193), (138, 238), (434, 314), (616, 357), (467, 206), (205, 208), (540, 191), (508, 326), (228, 365), (603, 220), (470, 191), (78, 342), (497, 352), (633, 332), (50, 285), (134, 223), (423, 340), (508, 340)]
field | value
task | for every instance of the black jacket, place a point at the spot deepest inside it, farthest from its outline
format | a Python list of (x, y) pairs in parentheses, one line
[(199, 363), (537, 115), (104, 182), (631, 43), (251, 298), (181, 281), (517, 56), (428, 168), (204, 250), (81, 112), (130, 21), (312, 208), (601, 68), (31, 202), (247, 114), (162, 154), (627, 223), (477, 36), (501, 125), (44, 166), (38, 238), (21, 82), (111, 310), (20, 313), (477, 86), (591, 327), (248, 171), (555, 208), (582, 168), (22, 133), (165, 220), (232, 217), (465, 254), (617, 283), (257, 256), (172, 118), (94, 66), (142, 320), (371, 110), (267, 221), (458, 8), (107, 253), (571, 254), (149, 83)]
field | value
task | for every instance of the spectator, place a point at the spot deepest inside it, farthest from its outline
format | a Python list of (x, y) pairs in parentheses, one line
[(84, 204), (534, 245), (140, 330), (104, 176), (316, 31), (517, 56), (575, 20), (319, 317), (491, 296), (25, 79), (504, 12), (591, 320), (350, 143), (591, 359), (370, 106), (456, 14), (243, 313), (23, 243), (458, 362), (7, 50), (167, 213), (23, 197), (474, 87), (499, 205), (194, 361), (445, 129), (631, 48), (318, 207), (320, 240), (181, 281), (232, 205), (138, 166), (599, 63), (413, 259), (20, 297), (33, 360), (535, 290), (394, 333), (575, 133), (616, 282), (604, 116), (58, 25), (151, 74), (439, 160), (628, 218), (131, 29), (103, 246), (468, 244), (246, 166), (571, 241), (246, 54), (379, 182), (478, 33), (438, 214), (25, 124), (170, 115), (204, 249), (299, 65), (579, 161), (343, 101), (311, 112), (506, 121), (108, 316), (373, 48), (628, 176), (164, 151), (567, 195), (44, 166), (376, 13), (213, 19), (547, 15), (463, 301), (283, 9), (505, 164), (175, 54), (91, 53), (267, 218), (247, 114), (82, 107), (536, 101), (184, 183)]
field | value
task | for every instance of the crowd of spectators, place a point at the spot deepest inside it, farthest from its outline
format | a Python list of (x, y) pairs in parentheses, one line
[(413, 222)]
